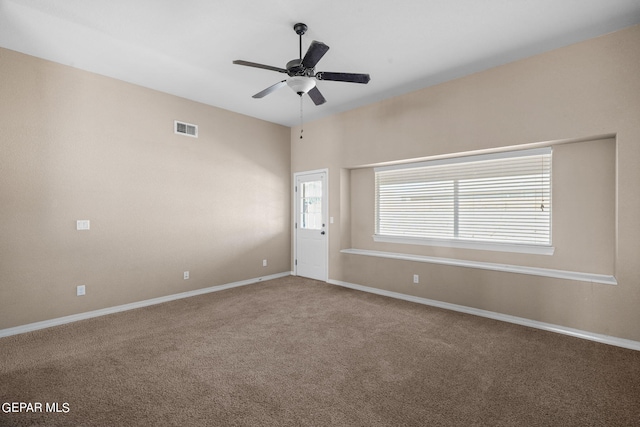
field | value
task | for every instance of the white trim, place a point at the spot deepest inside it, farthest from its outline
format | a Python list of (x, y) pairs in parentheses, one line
[(605, 339), (468, 244), (550, 143), (139, 304), (466, 158), (519, 269)]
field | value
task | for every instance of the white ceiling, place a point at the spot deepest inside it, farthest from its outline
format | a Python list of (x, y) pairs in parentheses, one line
[(186, 48)]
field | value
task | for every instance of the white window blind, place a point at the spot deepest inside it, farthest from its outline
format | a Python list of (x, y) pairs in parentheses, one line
[(496, 198)]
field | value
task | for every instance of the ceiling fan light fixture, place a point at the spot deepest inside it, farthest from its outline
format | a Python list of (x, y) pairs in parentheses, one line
[(301, 84)]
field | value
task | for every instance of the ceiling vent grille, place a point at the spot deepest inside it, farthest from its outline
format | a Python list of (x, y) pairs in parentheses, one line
[(185, 129)]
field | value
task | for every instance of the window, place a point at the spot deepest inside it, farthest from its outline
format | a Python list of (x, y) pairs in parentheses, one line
[(311, 205), (473, 201)]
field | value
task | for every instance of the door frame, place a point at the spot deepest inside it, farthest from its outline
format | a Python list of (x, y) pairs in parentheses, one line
[(325, 195)]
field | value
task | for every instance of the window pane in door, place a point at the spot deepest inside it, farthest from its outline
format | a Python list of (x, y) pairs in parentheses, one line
[(311, 205)]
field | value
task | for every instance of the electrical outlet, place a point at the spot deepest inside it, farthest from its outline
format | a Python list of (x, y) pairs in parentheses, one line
[(80, 290), (264, 262), (186, 275), (416, 278)]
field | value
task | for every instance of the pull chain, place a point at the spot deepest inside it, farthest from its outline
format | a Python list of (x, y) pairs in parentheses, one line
[(301, 118)]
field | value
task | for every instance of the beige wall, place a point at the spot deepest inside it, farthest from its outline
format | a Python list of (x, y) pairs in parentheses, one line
[(579, 92), (76, 145), (80, 146)]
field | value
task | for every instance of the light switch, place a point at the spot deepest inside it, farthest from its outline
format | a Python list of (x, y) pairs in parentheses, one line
[(82, 224)]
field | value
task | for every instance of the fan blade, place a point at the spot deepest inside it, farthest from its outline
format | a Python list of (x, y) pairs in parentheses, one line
[(316, 96), (315, 52), (270, 89), (343, 77), (256, 65)]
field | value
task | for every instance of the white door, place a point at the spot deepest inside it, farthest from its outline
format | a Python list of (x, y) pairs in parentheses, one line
[(311, 225)]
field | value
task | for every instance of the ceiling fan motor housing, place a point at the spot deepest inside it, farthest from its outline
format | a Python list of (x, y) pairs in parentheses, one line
[(295, 68)]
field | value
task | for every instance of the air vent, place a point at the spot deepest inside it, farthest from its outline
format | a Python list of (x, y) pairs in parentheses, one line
[(185, 129)]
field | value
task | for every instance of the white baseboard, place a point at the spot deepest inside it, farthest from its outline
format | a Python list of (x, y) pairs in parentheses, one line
[(605, 339), (139, 304)]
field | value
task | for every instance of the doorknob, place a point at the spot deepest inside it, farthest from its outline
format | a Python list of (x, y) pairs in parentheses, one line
[(322, 232)]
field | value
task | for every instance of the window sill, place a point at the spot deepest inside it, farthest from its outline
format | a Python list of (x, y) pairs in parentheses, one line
[(533, 271), (466, 244)]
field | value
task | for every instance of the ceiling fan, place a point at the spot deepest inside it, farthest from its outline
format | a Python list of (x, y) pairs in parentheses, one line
[(302, 73)]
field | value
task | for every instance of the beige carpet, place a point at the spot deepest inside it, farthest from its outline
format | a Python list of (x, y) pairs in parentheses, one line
[(295, 352)]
